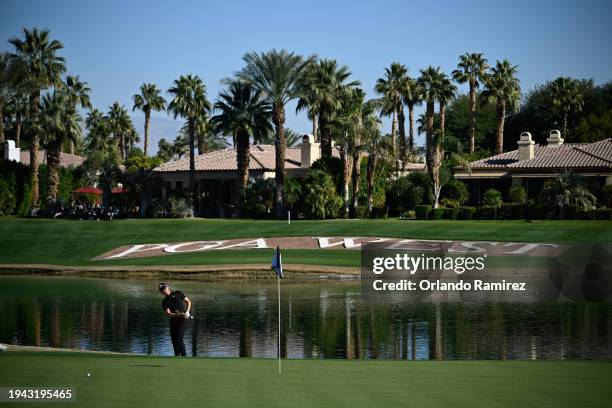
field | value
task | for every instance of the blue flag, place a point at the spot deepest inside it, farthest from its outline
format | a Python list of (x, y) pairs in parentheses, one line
[(277, 264)]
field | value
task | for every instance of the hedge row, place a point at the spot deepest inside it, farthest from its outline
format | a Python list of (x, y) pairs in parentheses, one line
[(511, 211)]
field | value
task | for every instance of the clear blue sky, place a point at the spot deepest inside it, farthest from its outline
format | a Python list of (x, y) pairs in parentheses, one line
[(117, 45)]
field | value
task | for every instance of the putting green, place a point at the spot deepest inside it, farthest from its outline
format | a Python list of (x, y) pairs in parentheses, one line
[(133, 381)]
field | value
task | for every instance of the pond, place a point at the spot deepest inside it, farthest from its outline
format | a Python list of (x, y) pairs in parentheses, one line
[(319, 320)]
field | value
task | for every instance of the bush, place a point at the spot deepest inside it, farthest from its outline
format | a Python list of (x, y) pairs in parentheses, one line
[(537, 212), (437, 213), (321, 199), (422, 212), (517, 194), (603, 213), (467, 213), (492, 198), (449, 203), (180, 208), (451, 213), (403, 195), (570, 212), (607, 195), (421, 179), (511, 211), (585, 214), (456, 191), (488, 213), (260, 211), (8, 201)]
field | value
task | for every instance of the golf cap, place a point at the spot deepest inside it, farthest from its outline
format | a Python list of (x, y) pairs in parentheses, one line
[(162, 286)]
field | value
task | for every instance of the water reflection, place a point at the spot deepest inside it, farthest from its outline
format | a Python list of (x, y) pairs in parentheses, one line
[(329, 320)]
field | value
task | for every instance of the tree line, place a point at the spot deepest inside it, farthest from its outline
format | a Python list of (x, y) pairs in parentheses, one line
[(39, 99)]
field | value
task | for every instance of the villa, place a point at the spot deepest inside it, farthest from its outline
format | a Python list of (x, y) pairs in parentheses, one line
[(531, 165), (23, 156)]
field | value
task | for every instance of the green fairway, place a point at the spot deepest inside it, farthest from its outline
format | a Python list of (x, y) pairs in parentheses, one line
[(44, 241), (129, 381)]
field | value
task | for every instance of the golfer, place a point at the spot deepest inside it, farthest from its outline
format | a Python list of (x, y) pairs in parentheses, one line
[(174, 306)]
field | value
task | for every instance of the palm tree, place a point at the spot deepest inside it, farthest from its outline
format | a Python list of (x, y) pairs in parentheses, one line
[(308, 99), (472, 68), (446, 93), (323, 88), (98, 132), (566, 97), (242, 113), (19, 108), (503, 87), (120, 123), (431, 83), (9, 74), (149, 99), (42, 69), (411, 96), (276, 74), (61, 122), (190, 102), (390, 87), (377, 146), (77, 94)]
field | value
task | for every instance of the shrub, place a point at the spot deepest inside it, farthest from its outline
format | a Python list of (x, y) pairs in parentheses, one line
[(421, 179), (260, 211), (607, 195), (517, 194), (8, 201), (403, 195), (511, 211), (536, 211), (437, 213), (455, 190), (467, 213), (450, 203), (570, 212), (585, 214), (488, 213), (451, 213), (492, 198), (321, 198), (603, 213), (422, 212), (180, 208)]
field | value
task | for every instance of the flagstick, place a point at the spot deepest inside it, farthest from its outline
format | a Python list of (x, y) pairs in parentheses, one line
[(279, 327)]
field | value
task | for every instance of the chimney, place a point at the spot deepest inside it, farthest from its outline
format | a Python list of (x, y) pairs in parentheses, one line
[(554, 139), (11, 152), (525, 147), (310, 151)]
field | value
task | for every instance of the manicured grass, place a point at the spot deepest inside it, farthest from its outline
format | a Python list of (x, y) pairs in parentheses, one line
[(77, 242), (129, 381)]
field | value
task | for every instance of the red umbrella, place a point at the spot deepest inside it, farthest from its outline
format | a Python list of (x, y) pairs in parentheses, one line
[(87, 190)]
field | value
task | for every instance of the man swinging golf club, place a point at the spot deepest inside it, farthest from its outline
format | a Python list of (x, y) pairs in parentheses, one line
[(174, 306)]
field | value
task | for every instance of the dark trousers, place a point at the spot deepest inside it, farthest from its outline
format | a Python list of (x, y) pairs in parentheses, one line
[(177, 331)]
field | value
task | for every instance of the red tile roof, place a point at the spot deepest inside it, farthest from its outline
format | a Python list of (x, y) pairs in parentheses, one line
[(262, 157), (579, 155), (66, 159)]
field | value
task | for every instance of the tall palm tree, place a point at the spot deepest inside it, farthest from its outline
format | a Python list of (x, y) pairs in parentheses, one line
[(77, 94), (411, 96), (19, 108), (430, 82), (98, 132), (149, 99), (190, 102), (566, 97), (276, 74), (61, 122), (42, 68), (242, 113), (324, 88), (9, 74), (390, 88), (308, 98), (503, 87), (120, 123), (446, 93), (472, 68)]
